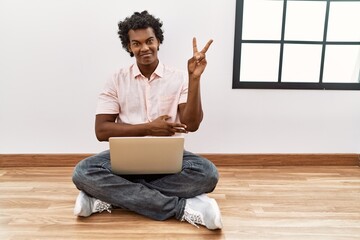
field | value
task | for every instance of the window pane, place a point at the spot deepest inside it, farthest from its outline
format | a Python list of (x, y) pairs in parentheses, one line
[(262, 19), (305, 20), (344, 21), (259, 62), (342, 64), (301, 63)]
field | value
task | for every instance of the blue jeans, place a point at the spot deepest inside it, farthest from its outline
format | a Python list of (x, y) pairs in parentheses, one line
[(156, 196)]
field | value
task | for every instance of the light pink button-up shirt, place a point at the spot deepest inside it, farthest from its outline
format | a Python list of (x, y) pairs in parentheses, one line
[(139, 100)]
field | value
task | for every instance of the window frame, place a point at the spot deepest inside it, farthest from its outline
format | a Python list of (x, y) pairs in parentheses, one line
[(238, 41)]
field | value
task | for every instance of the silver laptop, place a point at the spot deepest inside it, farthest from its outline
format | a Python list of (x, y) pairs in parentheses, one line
[(146, 155)]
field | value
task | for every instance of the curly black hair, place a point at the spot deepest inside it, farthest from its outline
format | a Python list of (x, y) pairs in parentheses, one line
[(139, 21)]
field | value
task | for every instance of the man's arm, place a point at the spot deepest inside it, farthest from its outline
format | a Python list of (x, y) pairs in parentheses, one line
[(191, 113), (106, 127)]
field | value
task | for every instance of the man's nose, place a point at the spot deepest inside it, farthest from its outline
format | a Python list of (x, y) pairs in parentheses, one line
[(144, 47)]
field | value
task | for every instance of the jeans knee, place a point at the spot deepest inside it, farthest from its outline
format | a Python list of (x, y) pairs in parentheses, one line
[(213, 176), (75, 177), (210, 176), (78, 175)]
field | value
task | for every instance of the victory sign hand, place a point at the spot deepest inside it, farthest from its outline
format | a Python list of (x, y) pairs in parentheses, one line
[(197, 64)]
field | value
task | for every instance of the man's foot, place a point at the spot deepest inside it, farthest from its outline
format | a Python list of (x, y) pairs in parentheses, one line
[(202, 210), (86, 205)]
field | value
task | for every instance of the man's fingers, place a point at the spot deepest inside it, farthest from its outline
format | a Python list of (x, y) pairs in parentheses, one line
[(179, 127), (207, 46), (195, 50), (198, 56), (164, 117)]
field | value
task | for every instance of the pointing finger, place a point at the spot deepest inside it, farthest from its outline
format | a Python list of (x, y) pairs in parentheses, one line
[(195, 50), (204, 50)]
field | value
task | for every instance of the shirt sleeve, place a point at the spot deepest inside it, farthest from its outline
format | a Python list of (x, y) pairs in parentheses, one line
[(108, 102), (184, 89)]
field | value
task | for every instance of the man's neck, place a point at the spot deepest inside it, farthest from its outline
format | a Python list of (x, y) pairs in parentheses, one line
[(147, 70)]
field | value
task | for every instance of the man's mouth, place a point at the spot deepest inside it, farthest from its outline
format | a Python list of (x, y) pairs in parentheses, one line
[(145, 55)]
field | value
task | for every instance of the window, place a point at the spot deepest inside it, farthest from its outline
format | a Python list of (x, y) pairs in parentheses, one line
[(297, 44)]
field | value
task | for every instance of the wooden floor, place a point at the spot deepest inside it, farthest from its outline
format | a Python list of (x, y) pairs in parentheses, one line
[(256, 203)]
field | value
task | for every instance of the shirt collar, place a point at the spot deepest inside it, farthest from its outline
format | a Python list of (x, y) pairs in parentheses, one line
[(159, 71)]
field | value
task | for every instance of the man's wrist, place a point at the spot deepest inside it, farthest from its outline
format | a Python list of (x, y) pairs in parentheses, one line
[(194, 78)]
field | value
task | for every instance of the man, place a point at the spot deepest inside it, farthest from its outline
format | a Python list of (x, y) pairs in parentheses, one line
[(150, 98)]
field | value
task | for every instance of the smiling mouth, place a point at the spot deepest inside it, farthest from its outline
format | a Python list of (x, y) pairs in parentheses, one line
[(145, 55)]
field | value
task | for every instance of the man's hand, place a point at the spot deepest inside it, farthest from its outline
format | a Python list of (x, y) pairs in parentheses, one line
[(197, 64), (160, 127)]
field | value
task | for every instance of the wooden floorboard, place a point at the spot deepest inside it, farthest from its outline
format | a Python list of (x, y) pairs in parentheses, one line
[(256, 202)]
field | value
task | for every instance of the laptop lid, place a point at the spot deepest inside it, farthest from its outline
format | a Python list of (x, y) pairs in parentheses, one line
[(146, 155)]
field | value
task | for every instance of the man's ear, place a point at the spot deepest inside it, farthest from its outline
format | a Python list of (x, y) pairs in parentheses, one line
[(129, 48)]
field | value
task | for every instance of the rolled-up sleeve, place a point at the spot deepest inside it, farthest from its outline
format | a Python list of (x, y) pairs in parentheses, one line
[(108, 101)]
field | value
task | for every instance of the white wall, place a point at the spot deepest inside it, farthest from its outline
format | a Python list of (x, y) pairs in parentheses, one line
[(55, 56)]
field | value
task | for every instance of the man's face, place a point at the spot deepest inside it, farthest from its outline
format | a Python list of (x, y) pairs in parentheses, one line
[(144, 45)]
